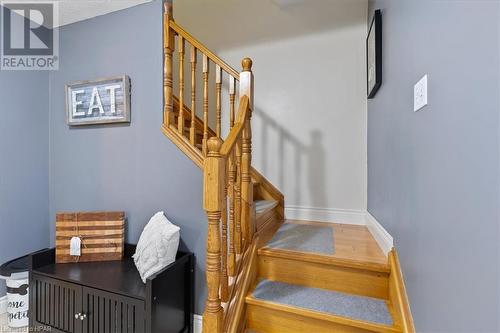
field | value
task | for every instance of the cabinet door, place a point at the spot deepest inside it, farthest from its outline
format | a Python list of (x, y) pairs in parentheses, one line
[(55, 304), (111, 313)]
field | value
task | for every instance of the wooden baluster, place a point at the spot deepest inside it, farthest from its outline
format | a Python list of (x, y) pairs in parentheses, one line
[(192, 130), (224, 284), (180, 122), (235, 239), (168, 45), (232, 175), (218, 107), (237, 200), (232, 89), (205, 104), (213, 195), (247, 216)]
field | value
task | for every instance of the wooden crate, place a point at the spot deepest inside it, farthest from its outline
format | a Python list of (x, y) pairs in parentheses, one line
[(102, 235)]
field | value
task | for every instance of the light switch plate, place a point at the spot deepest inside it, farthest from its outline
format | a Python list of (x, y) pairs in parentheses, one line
[(420, 94)]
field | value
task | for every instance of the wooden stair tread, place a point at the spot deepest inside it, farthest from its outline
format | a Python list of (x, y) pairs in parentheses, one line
[(303, 314), (353, 246)]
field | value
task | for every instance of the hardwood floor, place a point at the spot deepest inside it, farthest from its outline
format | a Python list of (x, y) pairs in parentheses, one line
[(351, 242)]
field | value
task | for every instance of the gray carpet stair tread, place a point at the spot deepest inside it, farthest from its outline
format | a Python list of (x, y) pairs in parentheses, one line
[(264, 205), (304, 238), (331, 302)]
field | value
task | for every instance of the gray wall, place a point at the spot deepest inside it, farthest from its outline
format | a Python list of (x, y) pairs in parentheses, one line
[(132, 168), (24, 202), (433, 176)]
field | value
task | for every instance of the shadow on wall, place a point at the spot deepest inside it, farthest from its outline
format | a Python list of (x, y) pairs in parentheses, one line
[(309, 164)]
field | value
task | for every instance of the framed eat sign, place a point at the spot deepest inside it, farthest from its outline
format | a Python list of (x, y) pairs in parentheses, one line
[(101, 101)]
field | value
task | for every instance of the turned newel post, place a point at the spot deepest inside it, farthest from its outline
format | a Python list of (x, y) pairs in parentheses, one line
[(247, 211), (246, 80), (168, 46), (213, 196)]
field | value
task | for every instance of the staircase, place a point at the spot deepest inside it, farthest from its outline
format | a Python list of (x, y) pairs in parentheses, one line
[(303, 291), (252, 284)]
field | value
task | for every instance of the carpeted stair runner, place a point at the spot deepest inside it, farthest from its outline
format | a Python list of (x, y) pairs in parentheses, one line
[(352, 306), (303, 238)]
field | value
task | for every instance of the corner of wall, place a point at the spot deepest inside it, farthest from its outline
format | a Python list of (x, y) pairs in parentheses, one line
[(383, 238)]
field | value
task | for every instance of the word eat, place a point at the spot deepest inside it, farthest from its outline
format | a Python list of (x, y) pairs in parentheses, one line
[(95, 100)]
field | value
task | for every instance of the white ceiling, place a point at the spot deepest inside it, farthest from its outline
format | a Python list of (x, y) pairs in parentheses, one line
[(71, 11)]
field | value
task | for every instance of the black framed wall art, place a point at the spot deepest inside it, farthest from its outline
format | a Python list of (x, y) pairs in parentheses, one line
[(374, 55)]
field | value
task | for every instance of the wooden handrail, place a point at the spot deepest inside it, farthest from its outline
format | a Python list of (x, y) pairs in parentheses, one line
[(237, 130), (212, 56)]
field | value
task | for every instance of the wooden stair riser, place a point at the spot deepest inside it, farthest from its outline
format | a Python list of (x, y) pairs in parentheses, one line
[(273, 320), (325, 276), (264, 219)]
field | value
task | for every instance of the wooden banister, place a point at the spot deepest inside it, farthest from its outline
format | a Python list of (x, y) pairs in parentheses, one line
[(203, 49), (226, 163), (233, 189), (177, 117)]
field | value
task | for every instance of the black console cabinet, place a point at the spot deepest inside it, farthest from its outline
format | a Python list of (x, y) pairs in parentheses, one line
[(102, 297)]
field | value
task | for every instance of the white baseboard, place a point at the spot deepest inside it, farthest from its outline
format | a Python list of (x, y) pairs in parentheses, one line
[(345, 216), (3, 304), (197, 323), (383, 238)]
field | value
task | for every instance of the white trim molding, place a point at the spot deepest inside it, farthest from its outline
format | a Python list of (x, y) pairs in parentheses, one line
[(383, 238), (3, 304), (332, 215), (343, 216), (197, 323)]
